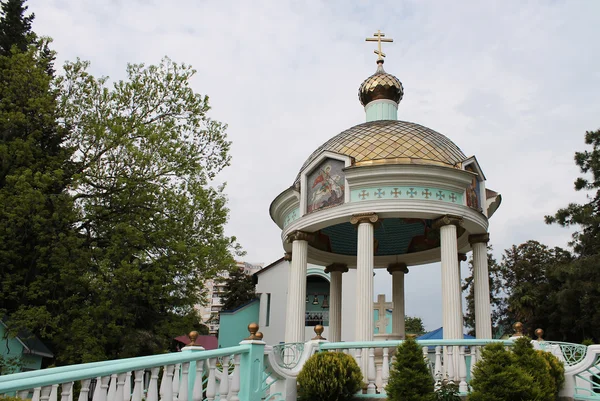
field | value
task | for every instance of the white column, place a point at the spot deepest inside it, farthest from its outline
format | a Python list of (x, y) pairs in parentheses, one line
[(262, 312), (398, 270), (451, 295), (364, 276), (335, 271), (296, 306), (483, 310)]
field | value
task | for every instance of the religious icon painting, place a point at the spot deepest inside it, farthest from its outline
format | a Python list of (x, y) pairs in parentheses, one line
[(473, 192), (326, 185)]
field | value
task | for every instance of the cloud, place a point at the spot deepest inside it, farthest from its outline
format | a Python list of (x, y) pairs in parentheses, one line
[(514, 83)]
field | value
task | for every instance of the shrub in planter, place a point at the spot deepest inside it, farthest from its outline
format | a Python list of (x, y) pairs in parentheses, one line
[(410, 379), (329, 376)]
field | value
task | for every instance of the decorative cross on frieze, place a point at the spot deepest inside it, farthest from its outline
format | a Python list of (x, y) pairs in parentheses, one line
[(379, 193), (411, 192), (363, 195), (396, 193), (379, 38), (453, 197), (440, 195), (426, 193)]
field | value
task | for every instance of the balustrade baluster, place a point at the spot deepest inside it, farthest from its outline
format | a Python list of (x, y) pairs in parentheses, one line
[(224, 385), (176, 380), (371, 371), (120, 395), (23, 394), (183, 386), (235, 379), (211, 387), (66, 391), (385, 370), (85, 390), (112, 388), (54, 393), (137, 386), (462, 371), (438, 363), (450, 363), (45, 393), (127, 389), (152, 394), (36, 394), (474, 357), (198, 381), (166, 386)]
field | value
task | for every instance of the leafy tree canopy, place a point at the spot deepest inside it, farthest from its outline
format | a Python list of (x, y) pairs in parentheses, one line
[(414, 325)]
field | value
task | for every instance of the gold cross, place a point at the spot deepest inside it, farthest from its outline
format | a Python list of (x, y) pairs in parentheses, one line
[(378, 38)]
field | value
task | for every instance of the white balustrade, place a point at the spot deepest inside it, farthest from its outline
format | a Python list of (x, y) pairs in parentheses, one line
[(224, 385), (36, 394), (449, 363), (211, 387), (438, 364), (112, 388), (121, 379), (176, 380), (235, 380), (137, 386), (371, 372), (152, 394), (182, 394), (127, 389), (385, 370), (166, 387), (85, 390), (66, 391), (462, 371), (45, 395)]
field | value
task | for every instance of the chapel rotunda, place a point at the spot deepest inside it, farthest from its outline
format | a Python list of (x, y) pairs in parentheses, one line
[(386, 194)]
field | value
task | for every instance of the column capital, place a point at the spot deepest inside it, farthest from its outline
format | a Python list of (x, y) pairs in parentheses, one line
[(287, 256), (476, 238), (397, 267), (299, 236), (447, 220), (462, 257), (364, 218), (337, 267)]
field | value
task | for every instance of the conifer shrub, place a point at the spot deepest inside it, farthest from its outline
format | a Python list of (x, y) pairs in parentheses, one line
[(329, 376), (410, 378), (517, 374), (556, 367)]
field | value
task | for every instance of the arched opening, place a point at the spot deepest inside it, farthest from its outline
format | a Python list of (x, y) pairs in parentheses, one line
[(317, 301)]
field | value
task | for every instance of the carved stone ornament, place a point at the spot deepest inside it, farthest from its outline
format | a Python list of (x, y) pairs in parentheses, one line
[(299, 236), (287, 256), (447, 220), (397, 267), (476, 238), (462, 257), (364, 218), (337, 267)]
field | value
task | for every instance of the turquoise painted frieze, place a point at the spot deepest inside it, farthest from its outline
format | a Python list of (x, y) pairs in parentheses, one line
[(291, 217), (406, 192)]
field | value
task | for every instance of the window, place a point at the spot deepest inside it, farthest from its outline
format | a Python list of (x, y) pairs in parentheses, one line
[(268, 319)]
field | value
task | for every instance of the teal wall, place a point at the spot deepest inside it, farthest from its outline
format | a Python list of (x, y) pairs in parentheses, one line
[(381, 111), (388, 315), (233, 326), (12, 348)]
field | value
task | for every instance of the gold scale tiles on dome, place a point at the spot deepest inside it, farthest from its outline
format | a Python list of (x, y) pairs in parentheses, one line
[(393, 142)]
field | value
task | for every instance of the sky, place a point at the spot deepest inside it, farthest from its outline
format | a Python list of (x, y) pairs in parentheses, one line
[(514, 83)]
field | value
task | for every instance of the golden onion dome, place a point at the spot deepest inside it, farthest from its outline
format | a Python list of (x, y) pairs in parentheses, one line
[(380, 85), (392, 142)]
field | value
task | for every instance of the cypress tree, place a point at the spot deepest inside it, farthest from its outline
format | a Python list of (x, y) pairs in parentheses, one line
[(410, 379), (15, 27)]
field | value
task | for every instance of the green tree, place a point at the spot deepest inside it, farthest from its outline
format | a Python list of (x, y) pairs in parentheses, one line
[(41, 262), (15, 26), (146, 152), (329, 376), (586, 241), (410, 379), (414, 325), (239, 289)]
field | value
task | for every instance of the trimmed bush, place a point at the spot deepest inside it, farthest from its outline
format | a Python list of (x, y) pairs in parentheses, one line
[(556, 368), (410, 379), (519, 374), (329, 376)]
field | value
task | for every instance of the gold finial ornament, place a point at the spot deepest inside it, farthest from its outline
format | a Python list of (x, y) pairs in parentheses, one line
[(318, 331), (518, 327), (379, 37), (539, 333), (259, 335), (193, 336), (253, 329)]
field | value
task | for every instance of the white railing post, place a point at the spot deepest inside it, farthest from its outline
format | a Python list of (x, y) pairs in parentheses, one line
[(102, 388), (112, 388), (166, 386), (211, 386), (45, 393), (224, 385), (54, 393), (449, 363), (198, 381), (438, 364), (152, 394), (120, 396), (67, 391), (183, 386), (176, 380), (385, 370), (127, 389), (235, 380), (462, 371), (85, 390), (371, 371), (37, 392), (137, 386)]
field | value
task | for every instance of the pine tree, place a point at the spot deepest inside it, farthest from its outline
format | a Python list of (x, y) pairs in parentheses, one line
[(410, 379), (15, 27), (239, 289)]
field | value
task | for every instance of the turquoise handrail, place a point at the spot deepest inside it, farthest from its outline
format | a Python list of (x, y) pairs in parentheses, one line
[(123, 365), (424, 343)]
